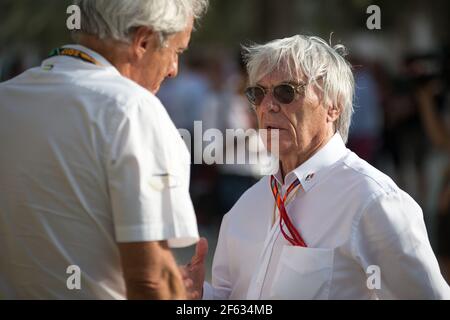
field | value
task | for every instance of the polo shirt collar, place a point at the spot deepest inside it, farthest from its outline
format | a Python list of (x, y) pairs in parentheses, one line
[(102, 60), (312, 169)]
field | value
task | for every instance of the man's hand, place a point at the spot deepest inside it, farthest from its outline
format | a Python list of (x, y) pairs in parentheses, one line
[(194, 272)]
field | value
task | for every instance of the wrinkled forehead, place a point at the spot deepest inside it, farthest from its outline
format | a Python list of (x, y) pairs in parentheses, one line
[(272, 73)]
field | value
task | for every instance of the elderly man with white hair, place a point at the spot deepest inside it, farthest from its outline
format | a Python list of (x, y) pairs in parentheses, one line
[(327, 225), (94, 186)]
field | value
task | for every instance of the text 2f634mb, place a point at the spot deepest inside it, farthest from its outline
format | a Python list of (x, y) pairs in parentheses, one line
[(241, 309)]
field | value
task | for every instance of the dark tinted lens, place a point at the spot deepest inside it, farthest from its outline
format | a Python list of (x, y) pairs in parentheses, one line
[(255, 95), (284, 93)]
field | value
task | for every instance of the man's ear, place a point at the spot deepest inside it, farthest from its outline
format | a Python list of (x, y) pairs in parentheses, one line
[(144, 39), (333, 113)]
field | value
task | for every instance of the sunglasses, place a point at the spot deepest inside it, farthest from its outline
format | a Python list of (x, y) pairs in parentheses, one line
[(283, 93)]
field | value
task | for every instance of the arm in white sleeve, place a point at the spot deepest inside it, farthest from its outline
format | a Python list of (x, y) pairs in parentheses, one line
[(148, 176), (391, 235)]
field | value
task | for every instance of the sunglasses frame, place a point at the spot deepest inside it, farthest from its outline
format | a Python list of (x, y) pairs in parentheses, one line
[(298, 89)]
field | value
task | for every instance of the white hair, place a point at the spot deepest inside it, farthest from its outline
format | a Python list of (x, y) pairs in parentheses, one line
[(321, 64), (116, 19)]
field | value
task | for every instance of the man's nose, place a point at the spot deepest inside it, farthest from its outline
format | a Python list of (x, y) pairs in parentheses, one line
[(269, 104), (173, 70)]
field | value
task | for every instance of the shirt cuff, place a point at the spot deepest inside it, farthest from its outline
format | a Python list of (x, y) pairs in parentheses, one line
[(184, 236), (208, 291)]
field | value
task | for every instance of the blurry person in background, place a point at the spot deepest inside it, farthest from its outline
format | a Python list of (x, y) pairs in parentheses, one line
[(404, 134), (367, 122), (228, 109), (236, 178), (184, 96), (327, 225), (433, 96), (93, 171)]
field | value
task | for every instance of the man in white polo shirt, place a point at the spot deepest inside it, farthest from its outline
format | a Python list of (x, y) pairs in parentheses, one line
[(94, 175), (327, 225)]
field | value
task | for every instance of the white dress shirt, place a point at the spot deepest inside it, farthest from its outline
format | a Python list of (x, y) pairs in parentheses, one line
[(355, 222), (88, 159)]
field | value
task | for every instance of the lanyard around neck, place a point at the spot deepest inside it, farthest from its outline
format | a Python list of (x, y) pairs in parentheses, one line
[(294, 238), (74, 53)]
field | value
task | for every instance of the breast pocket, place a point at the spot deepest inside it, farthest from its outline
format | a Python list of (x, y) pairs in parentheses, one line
[(303, 274)]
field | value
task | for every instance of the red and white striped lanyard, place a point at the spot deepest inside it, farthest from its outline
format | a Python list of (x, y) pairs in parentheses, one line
[(294, 238)]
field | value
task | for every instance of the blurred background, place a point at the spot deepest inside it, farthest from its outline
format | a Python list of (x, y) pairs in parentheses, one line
[(401, 123)]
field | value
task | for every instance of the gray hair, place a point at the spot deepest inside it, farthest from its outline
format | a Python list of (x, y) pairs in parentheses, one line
[(116, 19), (323, 65)]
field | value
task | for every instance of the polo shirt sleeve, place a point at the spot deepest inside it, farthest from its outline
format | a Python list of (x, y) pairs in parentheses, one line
[(391, 243), (148, 175)]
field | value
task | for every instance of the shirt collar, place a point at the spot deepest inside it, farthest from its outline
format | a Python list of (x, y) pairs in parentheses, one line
[(103, 61), (310, 171)]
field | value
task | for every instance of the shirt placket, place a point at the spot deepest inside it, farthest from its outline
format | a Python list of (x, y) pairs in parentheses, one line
[(257, 282)]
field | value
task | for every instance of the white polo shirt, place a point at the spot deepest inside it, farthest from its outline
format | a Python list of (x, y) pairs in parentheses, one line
[(88, 159), (366, 238)]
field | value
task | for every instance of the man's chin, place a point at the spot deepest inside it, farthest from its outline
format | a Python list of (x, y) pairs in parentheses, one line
[(155, 90), (150, 87)]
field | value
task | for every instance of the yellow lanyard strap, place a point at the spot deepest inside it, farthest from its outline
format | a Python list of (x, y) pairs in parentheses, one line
[(74, 53)]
